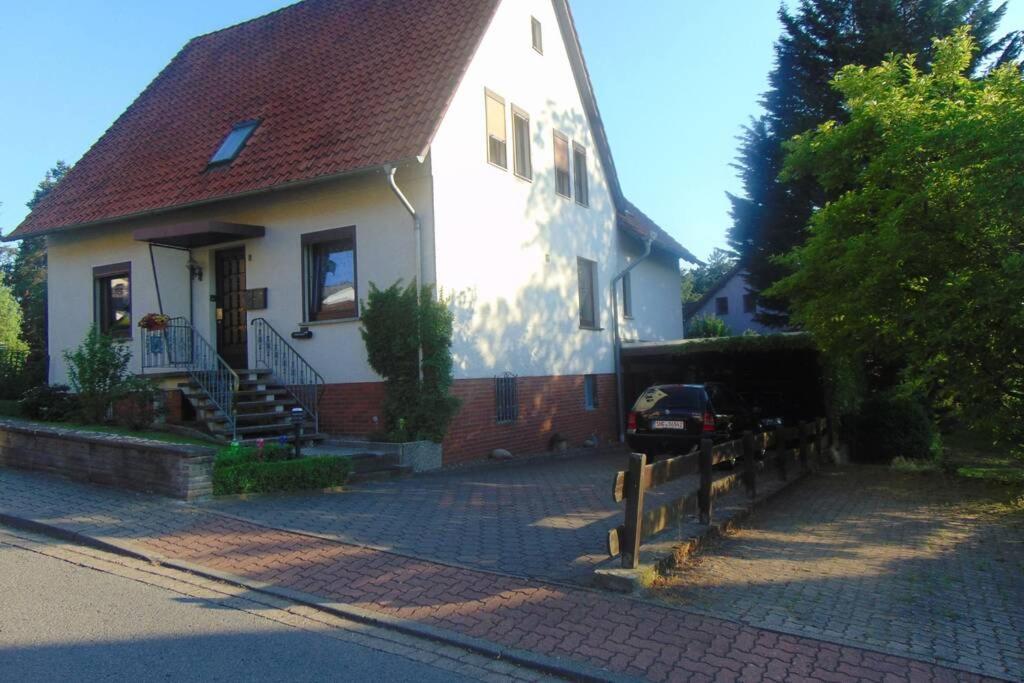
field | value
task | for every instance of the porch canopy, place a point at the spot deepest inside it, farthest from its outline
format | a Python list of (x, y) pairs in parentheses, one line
[(197, 234)]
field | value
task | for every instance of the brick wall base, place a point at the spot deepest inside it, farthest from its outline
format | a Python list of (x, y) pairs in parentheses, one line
[(130, 463), (547, 405)]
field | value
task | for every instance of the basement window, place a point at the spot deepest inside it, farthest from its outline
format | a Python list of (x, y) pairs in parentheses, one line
[(232, 145), (506, 399), (590, 392)]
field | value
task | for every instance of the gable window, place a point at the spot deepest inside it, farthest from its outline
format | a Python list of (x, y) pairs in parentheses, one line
[(233, 143), (722, 305), (562, 165), (506, 399), (579, 166), (587, 272), (590, 392), (329, 274), (521, 163), (627, 296), (112, 288), (497, 147), (536, 35), (749, 303)]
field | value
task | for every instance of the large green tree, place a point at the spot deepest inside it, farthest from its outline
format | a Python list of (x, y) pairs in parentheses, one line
[(24, 272), (819, 38), (919, 259)]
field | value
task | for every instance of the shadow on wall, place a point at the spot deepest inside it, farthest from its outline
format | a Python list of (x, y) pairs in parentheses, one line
[(539, 327)]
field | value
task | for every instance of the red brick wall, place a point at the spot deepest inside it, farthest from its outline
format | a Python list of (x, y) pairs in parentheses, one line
[(350, 408), (546, 405)]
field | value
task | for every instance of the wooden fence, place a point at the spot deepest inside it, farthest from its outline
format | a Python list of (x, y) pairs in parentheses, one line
[(784, 449)]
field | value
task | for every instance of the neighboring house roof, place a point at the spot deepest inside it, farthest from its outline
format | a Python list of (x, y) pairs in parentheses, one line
[(338, 87), (691, 308)]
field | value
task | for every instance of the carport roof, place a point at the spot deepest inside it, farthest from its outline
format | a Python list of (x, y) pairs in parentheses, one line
[(741, 344)]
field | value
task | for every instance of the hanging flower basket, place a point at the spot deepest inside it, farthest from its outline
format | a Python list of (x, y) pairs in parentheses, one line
[(154, 322)]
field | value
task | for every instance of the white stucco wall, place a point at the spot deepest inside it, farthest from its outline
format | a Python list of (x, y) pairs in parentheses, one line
[(657, 309), (507, 247), (738, 321), (384, 253)]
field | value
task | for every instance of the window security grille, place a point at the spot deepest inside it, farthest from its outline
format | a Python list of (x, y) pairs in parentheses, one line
[(506, 398)]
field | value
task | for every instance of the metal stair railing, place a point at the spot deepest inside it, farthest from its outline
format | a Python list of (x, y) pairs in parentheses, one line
[(273, 352), (181, 347)]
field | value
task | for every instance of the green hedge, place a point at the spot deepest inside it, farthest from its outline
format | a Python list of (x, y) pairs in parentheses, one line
[(283, 475)]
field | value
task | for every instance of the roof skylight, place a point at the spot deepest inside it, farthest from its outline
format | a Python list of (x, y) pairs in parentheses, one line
[(233, 142)]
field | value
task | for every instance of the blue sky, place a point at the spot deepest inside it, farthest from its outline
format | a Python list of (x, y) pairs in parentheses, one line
[(675, 80)]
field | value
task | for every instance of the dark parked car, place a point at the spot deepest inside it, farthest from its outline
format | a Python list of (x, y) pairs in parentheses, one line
[(673, 418)]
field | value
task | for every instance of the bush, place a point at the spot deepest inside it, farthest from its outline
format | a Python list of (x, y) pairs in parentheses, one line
[(98, 372), (891, 425), (396, 323), (48, 402), (137, 410), (706, 327), (237, 475)]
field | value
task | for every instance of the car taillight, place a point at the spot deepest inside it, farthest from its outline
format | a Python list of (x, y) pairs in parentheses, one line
[(631, 422), (709, 422)]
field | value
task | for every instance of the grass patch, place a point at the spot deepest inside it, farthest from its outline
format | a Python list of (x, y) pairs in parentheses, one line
[(152, 434), (915, 466), (251, 470), (973, 457)]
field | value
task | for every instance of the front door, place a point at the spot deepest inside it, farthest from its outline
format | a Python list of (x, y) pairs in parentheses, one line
[(232, 331)]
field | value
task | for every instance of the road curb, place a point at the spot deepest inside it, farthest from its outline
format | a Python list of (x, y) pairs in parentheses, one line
[(576, 671)]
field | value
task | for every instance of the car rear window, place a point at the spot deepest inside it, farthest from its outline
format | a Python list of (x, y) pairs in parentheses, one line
[(676, 397)]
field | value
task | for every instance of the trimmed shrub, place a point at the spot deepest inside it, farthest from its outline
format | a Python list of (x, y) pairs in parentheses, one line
[(48, 402), (237, 475), (891, 425), (397, 322)]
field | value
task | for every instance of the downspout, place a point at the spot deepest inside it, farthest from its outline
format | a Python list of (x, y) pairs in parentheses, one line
[(417, 228), (156, 280), (617, 343)]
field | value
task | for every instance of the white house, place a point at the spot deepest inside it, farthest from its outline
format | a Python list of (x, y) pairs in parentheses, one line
[(731, 300), (276, 168)]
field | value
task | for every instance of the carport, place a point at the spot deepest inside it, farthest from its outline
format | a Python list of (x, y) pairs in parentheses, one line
[(779, 373)]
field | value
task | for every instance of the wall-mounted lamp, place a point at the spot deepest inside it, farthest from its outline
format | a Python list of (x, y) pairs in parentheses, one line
[(195, 271)]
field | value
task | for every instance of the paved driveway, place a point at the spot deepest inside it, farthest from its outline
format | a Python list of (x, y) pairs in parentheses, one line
[(917, 566), (541, 518)]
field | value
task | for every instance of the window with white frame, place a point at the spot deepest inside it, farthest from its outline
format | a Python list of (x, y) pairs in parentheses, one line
[(627, 296), (329, 274), (587, 273), (497, 139), (562, 180), (579, 168), (536, 35), (112, 290), (522, 165)]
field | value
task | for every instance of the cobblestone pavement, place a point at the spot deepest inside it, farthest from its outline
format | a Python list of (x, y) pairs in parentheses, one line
[(616, 633), (546, 518), (864, 556)]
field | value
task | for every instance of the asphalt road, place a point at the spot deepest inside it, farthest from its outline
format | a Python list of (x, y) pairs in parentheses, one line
[(60, 620)]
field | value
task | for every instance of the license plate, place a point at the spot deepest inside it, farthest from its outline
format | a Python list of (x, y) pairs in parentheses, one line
[(669, 424)]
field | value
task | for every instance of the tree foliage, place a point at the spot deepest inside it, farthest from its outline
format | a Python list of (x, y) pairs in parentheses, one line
[(10, 322), (707, 327), (25, 273), (396, 323), (699, 279), (919, 260), (819, 38)]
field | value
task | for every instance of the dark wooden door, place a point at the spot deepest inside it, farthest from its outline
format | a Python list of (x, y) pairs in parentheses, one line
[(232, 331)]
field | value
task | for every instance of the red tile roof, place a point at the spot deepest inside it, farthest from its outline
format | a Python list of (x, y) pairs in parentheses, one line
[(338, 86)]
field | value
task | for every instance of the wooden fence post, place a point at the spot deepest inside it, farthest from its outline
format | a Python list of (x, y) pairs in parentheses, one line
[(634, 510), (805, 446), (780, 454), (704, 495), (749, 464)]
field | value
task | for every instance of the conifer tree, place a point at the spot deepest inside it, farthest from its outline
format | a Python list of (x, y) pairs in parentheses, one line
[(819, 38)]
